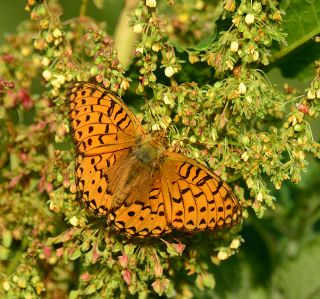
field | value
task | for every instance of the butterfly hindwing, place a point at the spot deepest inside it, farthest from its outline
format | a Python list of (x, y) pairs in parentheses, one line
[(92, 183), (145, 217), (196, 198)]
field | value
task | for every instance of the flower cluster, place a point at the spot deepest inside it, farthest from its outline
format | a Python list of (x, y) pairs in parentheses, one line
[(197, 65)]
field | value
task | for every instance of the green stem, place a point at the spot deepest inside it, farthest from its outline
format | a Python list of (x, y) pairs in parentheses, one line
[(124, 38), (83, 8)]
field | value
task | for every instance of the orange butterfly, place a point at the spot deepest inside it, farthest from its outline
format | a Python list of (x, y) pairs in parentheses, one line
[(130, 176)]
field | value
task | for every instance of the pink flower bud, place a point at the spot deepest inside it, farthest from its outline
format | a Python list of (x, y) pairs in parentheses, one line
[(126, 275), (47, 251), (123, 260), (59, 251), (179, 247), (85, 276)]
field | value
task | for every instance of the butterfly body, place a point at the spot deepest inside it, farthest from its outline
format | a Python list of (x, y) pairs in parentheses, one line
[(133, 179)]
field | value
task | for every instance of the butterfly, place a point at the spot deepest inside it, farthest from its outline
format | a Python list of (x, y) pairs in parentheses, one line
[(132, 178)]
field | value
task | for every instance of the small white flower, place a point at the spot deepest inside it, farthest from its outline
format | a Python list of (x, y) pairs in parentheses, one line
[(74, 221), (151, 3), (54, 92), (47, 75), (45, 61), (255, 55), (193, 139), (242, 88), (56, 33), (311, 94), (155, 127), (15, 278), (169, 71), (259, 197), (199, 5), (137, 28), (61, 79), (22, 283), (6, 285), (249, 19), (168, 100), (250, 183), (140, 50), (222, 255), (229, 64), (49, 37), (299, 154), (57, 41), (156, 47), (245, 157), (249, 99), (234, 46), (235, 244)]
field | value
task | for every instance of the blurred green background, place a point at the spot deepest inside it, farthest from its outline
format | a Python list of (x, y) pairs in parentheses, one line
[(281, 254)]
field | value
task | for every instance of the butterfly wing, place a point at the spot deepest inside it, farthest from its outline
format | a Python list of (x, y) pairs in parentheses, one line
[(143, 218), (194, 197), (101, 122), (91, 181), (104, 130)]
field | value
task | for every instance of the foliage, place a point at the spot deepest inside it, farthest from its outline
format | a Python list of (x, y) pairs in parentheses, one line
[(200, 66)]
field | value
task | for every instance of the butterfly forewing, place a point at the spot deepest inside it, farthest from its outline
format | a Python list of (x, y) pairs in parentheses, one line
[(101, 122), (104, 130)]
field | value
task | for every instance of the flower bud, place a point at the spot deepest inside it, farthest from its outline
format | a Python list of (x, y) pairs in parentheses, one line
[(234, 46), (151, 3), (242, 88), (249, 19), (137, 28), (169, 71)]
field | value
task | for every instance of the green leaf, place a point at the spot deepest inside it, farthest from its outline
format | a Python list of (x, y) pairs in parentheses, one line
[(74, 255), (204, 44), (180, 48), (74, 294), (301, 22), (117, 247), (90, 289), (129, 249), (209, 281), (6, 239), (299, 277)]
